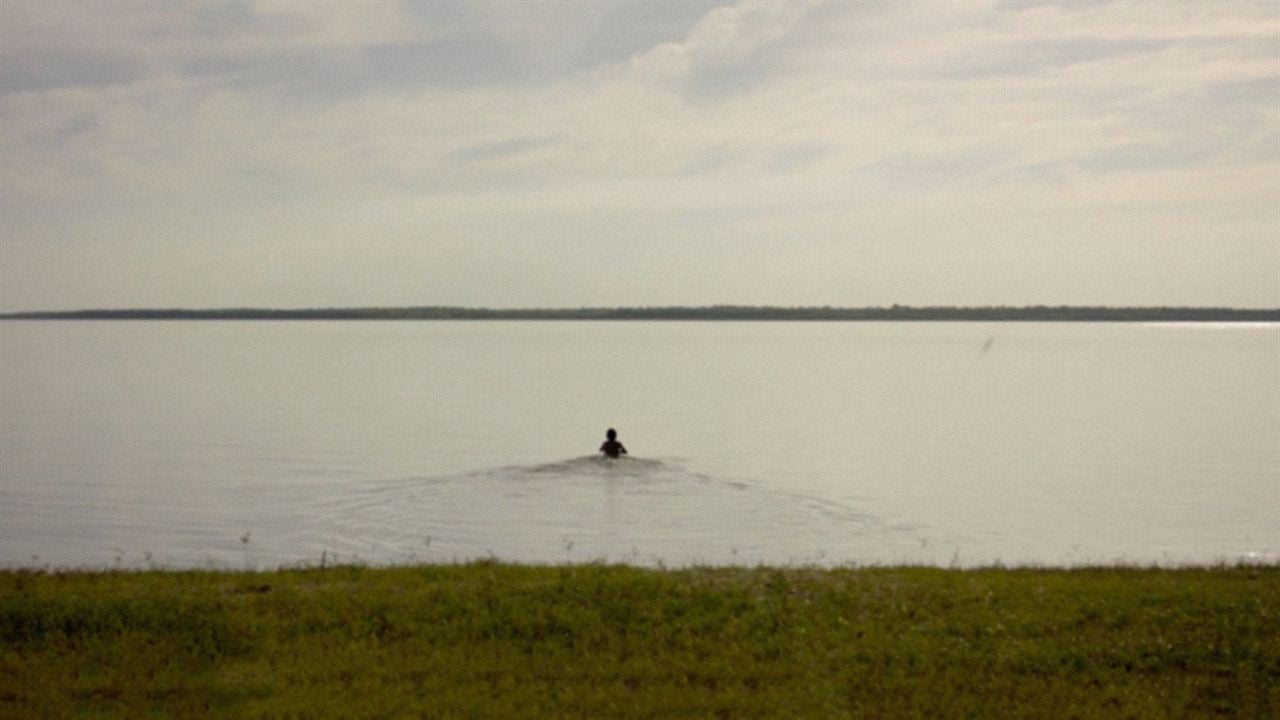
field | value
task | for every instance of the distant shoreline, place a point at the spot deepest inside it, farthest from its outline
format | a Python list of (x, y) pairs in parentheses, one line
[(1037, 313)]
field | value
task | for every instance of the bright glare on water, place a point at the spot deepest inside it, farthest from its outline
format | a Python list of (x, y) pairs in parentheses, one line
[(241, 444)]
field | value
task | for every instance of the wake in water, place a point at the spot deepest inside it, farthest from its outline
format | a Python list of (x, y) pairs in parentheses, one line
[(638, 511)]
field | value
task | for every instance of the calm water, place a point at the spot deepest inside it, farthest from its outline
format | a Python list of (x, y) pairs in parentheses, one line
[(264, 444)]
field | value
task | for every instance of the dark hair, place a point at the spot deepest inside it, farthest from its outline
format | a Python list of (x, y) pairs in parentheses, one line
[(611, 434)]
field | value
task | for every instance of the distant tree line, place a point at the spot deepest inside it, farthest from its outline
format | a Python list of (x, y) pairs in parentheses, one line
[(1039, 313)]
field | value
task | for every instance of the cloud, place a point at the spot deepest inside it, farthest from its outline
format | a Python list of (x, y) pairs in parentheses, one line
[(502, 149), (730, 47), (50, 70), (808, 142)]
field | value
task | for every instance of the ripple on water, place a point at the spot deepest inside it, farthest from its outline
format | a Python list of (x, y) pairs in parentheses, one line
[(644, 511)]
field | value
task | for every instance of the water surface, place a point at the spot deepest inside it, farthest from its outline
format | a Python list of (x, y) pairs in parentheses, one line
[(260, 444)]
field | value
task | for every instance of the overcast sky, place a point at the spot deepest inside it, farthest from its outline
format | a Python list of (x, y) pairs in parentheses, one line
[(522, 154)]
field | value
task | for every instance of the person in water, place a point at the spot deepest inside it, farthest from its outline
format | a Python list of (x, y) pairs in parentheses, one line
[(611, 447)]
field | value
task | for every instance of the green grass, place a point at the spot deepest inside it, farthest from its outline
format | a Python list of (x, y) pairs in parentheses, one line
[(491, 640)]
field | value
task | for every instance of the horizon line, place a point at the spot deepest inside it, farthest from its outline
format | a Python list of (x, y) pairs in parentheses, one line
[(672, 312), (825, 306)]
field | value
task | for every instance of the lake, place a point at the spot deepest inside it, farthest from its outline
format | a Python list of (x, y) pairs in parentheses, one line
[(262, 444)]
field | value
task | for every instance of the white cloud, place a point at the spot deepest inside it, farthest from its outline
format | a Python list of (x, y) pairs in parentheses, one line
[(831, 150)]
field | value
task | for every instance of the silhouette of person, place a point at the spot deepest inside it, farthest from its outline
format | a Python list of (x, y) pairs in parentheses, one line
[(611, 447)]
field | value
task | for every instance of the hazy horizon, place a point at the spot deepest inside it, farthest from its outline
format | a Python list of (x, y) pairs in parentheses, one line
[(578, 308), (266, 153)]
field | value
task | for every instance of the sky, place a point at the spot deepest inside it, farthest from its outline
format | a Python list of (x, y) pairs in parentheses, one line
[(567, 154)]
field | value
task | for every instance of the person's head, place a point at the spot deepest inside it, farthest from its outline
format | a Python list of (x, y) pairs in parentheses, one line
[(611, 434)]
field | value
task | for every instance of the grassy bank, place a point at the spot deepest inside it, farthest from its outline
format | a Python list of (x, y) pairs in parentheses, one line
[(491, 640)]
